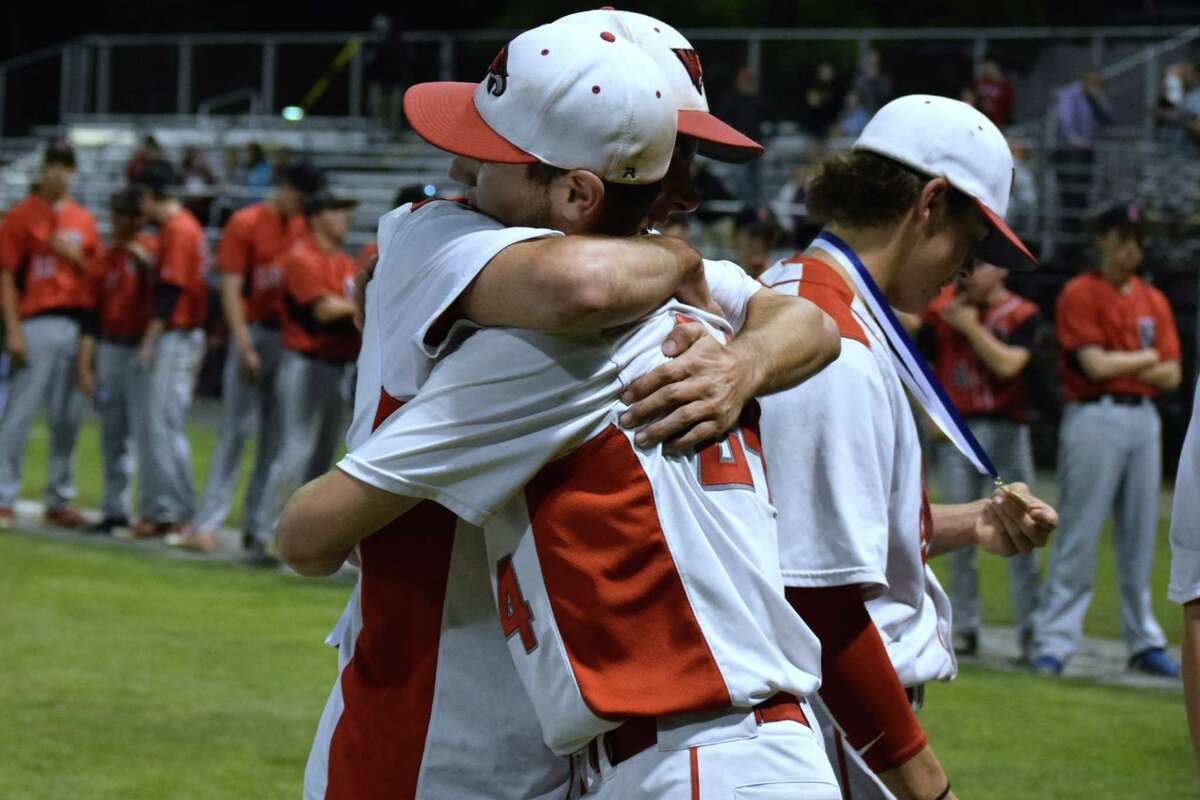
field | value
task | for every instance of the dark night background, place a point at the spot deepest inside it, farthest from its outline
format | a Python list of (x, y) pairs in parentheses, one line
[(23, 26)]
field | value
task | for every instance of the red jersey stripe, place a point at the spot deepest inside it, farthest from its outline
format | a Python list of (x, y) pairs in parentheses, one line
[(605, 561), (822, 286)]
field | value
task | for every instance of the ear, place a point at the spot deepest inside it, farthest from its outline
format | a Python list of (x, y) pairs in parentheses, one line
[(580, 196), (929, 201)]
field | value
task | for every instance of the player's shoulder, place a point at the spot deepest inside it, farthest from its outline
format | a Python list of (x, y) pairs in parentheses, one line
[(24, 210), (820, 284), (247, 216)]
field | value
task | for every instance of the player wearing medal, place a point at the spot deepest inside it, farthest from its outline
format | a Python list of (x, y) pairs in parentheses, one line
[(918, 199)]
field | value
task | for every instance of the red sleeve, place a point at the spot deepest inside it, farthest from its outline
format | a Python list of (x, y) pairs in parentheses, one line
[(369, 251), (236, 244), (177, 251), (303, 279), (1076, 320), (11, 246), (1167, 341), (859, 685)]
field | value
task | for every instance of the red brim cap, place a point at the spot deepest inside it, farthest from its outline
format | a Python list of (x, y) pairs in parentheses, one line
[(1002, 247), (443, 113), (718, 140)]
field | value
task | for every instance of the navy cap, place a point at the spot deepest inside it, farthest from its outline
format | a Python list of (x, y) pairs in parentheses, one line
[(1127, 216)]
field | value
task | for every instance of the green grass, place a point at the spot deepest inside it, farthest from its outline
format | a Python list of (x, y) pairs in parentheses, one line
[(1103, 618), (128, 675)]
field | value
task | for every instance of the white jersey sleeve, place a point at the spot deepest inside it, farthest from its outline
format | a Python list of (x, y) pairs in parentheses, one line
[(1185, 518), (731, 288), (829, 447), (501, 406)]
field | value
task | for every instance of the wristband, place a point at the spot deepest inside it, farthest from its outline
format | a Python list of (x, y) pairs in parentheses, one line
[(945, 793)]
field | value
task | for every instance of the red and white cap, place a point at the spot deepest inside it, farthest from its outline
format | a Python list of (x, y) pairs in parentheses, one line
[(680, 63), (566, 95), (949, 139)]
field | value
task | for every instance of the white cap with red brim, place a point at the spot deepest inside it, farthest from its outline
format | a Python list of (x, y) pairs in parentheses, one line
[(680, 64), (945, 138), (562, 94)]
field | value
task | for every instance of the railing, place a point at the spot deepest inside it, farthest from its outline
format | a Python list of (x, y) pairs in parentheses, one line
[(150, 73), (229, 98)]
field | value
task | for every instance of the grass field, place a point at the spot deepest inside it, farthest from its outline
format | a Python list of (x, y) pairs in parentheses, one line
[(130, 675)]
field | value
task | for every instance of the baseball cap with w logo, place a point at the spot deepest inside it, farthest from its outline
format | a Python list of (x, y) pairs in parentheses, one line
[(680, 63), (566, 95)]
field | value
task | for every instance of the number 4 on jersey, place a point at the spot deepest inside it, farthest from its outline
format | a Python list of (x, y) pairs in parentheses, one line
[(515, 616)]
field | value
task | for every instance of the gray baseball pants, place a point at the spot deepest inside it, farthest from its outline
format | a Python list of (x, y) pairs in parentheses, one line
[(168, 493), (1009, 445), (313, 415), (1109, 459), (119, 381), (245, 404), (46, 380)]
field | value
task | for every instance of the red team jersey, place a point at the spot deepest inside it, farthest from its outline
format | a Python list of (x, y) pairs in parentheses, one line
[(125, 294), (183, 262), (253, 245), (45, 282), (311, 273), (1091, 311), (973, 388)]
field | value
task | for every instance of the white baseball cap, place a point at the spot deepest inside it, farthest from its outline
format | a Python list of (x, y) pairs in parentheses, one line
[(565, 95), (680, 64), (949, 139)]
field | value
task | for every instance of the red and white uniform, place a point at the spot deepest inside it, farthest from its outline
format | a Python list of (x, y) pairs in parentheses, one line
[(428, 703), (125, 293), (45, 282), (847, 477), (629, 583), (310, 274), (183, 262), (253, 245)]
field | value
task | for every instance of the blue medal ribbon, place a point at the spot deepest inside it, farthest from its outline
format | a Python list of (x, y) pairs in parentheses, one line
[(910, 364)]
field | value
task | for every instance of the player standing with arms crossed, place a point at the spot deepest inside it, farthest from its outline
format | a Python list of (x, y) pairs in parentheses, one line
[(984, 336), (1120, 350), (253, 245), (47, 246), (108, 370), (320, 343), (918, 199), (169, 356)]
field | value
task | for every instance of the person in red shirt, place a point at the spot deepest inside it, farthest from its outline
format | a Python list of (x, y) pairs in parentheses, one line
[(983, 340), (320, 344), (995, 93), (250, 259), (1120, 349), (108, 349), (48, 246), (168, 356)]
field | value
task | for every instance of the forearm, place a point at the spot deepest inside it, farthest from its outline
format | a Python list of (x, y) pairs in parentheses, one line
[(1102, 365), (576, 284), (954, 526), (234, 309), (87, 351), (153, 331), (1164, 376), (919, 778), (1002, 360), (786, 340), (333, 308), (1191, 671), (327, 517)]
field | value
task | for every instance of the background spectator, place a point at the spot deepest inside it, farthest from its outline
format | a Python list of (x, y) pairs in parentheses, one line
[(995, 93), (822, 101), (258, 175), (756, 233), (1178, 111), (1083, 111), (872, 86), (746, 110), (853, 119), (149, 151), (198, 183)]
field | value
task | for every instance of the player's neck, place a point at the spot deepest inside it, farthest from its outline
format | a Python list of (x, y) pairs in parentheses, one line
[(1117, 278), (880, 250), (52, 199), (326, 243)]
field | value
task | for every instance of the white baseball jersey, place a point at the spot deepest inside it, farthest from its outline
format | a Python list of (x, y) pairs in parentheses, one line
[(847, 476), (1185, 518), (629, 583), (427, 703)]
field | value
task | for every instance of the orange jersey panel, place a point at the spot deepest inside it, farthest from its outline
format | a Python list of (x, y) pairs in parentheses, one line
[(125, 289), (1091, 311), (183, 262), (311, 273), (255, 241), (46, 282)]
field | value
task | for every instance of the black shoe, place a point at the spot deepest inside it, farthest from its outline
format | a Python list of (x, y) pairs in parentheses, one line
[(966, 643), (105, 526), (257, 555)]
